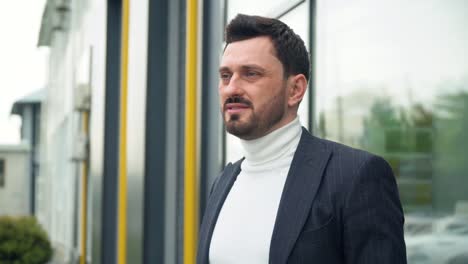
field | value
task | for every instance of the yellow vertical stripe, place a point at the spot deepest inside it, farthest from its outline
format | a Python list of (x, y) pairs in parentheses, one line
[(191, 182), (84, 197), (122, 194)]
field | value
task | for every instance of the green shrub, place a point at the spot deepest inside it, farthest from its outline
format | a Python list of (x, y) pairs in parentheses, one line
[(23, 241)]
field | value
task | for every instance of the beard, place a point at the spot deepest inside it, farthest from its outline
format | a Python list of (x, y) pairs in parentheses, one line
[(258, 121)]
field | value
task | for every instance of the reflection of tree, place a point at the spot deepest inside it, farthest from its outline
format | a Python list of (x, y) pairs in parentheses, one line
[(383, 118), (451, 149), (322, 127), (420, 116), (388, 129), (383, 113), (427, 150), (452, 124), (403, 136)]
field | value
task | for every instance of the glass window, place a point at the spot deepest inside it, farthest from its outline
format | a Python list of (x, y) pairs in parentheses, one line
[(392, 79), (2, 172), (269, 8), (298, 20)]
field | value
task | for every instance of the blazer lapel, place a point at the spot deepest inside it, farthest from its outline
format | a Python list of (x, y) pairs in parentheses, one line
[(301, 186), (215, 202)]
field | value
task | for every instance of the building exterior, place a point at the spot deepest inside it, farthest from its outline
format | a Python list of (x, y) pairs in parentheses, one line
[(15, 199), (64, 144), (29, 109), (132, 138), (19, 164)]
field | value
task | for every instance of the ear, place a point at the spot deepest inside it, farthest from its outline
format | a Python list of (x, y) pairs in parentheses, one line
[(297, 86)]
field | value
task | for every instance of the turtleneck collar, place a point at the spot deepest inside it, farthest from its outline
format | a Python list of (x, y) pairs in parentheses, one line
[(273, 145)]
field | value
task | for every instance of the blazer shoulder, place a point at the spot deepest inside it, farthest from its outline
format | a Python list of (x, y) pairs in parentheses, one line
[(339, 149), (347, 158), (359, 157)]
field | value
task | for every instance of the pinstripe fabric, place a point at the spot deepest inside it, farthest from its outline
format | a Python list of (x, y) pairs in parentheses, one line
[(339, 205), (302, 183)]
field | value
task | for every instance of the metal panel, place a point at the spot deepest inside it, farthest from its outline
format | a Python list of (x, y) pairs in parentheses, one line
[(212, 131), (175, 137), (164, 121), (180, 169), (104, 168), (312, 48), (156, 115), (111, 141), (137, 65)]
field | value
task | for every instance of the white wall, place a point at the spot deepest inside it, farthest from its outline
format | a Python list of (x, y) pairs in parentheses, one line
[(15, 194), (58, 187)]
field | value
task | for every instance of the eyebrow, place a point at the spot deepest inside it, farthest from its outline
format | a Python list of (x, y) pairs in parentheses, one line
[(243, 67), (224, 69)]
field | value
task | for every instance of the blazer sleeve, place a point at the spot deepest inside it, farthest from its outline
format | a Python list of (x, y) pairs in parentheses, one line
[(373, 216)]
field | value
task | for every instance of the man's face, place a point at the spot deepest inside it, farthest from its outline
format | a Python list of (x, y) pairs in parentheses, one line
[(252, 88)]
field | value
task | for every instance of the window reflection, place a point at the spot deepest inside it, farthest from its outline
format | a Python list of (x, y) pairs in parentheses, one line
[(298, 20), (269, 8), (390, 80)]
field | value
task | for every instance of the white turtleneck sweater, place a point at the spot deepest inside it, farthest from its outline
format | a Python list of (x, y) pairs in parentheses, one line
[(245, 224)]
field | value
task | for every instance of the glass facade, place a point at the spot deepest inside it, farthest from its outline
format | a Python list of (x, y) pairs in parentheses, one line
[(392, 79)]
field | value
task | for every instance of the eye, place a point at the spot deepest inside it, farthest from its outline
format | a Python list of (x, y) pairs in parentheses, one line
[(225, 75), (252, 74)]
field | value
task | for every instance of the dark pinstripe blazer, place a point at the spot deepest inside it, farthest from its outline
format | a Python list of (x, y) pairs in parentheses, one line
[(339, 205)]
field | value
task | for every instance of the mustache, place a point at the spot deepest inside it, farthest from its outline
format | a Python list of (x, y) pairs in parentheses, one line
[(237, 100)]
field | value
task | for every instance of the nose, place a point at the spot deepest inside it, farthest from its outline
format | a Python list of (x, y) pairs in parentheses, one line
[(232, 87)]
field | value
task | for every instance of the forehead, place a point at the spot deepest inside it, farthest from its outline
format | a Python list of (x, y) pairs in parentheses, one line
[(259, 50)]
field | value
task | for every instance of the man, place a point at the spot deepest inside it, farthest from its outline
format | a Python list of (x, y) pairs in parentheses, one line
[(293, 198)]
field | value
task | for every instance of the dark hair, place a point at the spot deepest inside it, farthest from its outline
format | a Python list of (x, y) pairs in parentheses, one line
[(290, 48)]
